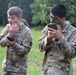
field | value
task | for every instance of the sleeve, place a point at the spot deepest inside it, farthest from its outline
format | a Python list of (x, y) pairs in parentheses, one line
[(2, 37), (42, 43), (25, 46), (68, 48)]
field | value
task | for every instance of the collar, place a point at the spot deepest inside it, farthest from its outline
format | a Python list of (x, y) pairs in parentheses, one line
[(66, 27), (21, 28)]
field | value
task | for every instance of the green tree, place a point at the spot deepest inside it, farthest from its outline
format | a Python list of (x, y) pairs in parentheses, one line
[(3, 11), (41, 9), (40, 12), (24, 5)]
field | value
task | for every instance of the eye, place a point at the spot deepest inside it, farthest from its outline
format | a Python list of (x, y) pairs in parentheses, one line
[(13, 18), (8, 17)]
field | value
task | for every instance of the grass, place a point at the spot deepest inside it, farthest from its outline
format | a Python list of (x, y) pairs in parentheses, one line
[(35, 57)]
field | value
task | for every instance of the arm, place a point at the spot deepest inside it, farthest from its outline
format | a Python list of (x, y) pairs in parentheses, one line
[(68, 48), (43, 43), (25, 46), (2, 37)]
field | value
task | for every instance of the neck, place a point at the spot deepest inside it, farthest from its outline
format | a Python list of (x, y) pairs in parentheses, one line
[(63, 25), (19, 23)]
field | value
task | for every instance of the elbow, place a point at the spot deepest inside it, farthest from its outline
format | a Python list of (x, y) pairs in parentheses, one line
[(41, 49), (73, 55), (3, 44)]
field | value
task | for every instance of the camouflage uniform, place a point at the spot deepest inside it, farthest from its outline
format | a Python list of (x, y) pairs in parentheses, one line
[(59, 53), (15, 61)]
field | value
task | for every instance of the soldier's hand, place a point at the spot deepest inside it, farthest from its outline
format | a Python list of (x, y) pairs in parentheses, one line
[(10, 43), (12, 29), (57, 33), (50, 34)]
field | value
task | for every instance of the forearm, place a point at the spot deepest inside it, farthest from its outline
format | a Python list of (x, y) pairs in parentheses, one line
[(66, 47), (44, 44), (3, 42), (20, 49), (2, 37)]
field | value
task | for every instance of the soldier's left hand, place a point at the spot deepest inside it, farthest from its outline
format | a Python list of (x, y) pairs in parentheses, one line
[(57, 33), (9, 43)]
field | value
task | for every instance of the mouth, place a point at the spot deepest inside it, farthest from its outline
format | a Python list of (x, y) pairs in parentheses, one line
[(10, 23)]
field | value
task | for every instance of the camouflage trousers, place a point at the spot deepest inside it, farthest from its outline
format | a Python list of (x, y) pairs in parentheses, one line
[(54, 71), (5, 72), (11, 73)]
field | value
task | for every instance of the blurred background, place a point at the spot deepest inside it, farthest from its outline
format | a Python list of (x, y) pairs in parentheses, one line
[(36, 12)]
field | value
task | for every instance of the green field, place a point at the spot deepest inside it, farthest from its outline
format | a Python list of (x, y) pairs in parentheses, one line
[(35, 57)]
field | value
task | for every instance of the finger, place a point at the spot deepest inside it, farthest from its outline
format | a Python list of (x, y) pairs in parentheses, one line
[(7, 40), (51, 32), (16, 29), (8, 27), (16, 26), (58, 27), (51, 29), (51, 35)]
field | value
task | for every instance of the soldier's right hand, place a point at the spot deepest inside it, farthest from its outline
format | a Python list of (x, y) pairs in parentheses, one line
[(50, 34), (12, 29)]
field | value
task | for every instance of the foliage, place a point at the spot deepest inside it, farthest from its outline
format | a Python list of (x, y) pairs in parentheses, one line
[(3, 12), (41, 9), (37, 11), (23, 4)]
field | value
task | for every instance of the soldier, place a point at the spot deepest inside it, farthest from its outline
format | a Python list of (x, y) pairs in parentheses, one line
[(18, 39), (59, 44)]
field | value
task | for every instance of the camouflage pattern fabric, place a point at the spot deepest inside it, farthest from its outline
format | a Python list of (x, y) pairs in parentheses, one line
[(15, 61), (58, 53)]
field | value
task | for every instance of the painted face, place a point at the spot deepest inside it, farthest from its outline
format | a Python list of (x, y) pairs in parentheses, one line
[(12, 19), (55, 19)]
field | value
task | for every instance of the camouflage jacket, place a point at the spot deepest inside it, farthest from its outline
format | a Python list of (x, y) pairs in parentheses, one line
[(15, 61), (58, 54)]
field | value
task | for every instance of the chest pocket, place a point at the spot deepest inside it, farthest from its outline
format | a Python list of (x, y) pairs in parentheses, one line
[(20, 38)]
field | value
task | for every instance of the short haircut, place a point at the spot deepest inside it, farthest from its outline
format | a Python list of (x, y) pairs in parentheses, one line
[(15, 11), (59, 10)]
